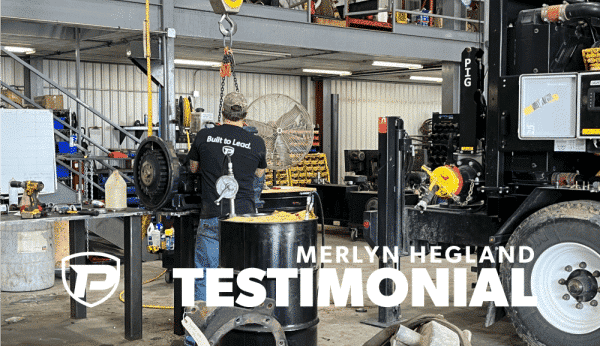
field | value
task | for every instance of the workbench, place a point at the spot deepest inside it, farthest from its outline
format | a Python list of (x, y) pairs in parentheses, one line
[(132, 261)]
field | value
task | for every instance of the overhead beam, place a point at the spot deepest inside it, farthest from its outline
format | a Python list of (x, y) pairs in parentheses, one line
[(256, 25)]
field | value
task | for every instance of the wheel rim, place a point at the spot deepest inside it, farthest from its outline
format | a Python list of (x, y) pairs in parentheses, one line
[(548, 270)]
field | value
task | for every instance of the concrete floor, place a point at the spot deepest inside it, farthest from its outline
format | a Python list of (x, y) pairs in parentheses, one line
[(46, 313)]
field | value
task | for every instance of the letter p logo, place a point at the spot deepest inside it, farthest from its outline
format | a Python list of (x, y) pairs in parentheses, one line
[(111, 279)]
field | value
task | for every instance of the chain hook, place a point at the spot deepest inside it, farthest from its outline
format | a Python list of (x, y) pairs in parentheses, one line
[(232, 26)]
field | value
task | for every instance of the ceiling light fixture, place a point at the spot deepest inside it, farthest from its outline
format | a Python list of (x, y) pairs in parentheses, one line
[(427, 79), (20, 50), (397, 64), (261, 53), (341, 73), (197, 63)]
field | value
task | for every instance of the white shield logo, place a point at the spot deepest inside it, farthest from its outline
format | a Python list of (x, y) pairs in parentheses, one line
[(111, 280), (228, 150)]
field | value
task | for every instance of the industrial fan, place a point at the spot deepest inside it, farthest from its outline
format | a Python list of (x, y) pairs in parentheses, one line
[(286, 128)]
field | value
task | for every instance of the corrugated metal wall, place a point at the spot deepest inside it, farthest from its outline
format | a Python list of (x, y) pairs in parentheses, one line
[(119, 91), (362, 103)]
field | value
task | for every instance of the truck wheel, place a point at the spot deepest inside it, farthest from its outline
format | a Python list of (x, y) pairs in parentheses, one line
[(565, 238)]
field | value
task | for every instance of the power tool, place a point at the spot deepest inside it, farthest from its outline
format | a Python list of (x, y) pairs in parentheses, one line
[(31, 189)]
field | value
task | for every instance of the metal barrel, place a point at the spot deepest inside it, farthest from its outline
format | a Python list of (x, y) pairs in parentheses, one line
[(27, 256), (272, 245)]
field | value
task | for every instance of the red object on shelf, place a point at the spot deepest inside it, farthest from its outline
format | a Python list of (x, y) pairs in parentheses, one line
[(117, 155), (368, 24)]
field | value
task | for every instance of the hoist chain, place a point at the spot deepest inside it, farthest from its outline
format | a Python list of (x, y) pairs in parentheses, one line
[(227, 68)]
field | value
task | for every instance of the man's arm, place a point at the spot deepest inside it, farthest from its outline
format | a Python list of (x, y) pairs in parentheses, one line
[(259, 172), (194, 167)]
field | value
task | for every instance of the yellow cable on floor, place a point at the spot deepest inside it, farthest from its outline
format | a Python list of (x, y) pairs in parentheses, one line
[(148, 306)]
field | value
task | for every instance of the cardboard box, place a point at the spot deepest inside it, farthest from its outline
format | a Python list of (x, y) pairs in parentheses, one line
[(13, 97), (50, 101)]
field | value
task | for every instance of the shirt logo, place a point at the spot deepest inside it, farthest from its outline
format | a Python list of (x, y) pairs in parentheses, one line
[(228, 150)]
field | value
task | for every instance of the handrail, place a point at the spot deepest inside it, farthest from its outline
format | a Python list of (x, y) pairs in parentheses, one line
[(77, 131), (70, 95), (74, 171)]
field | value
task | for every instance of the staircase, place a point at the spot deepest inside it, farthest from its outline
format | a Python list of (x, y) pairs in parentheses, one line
[(64, 193)]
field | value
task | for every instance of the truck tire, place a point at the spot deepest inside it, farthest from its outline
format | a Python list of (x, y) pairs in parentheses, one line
[(565, 238)]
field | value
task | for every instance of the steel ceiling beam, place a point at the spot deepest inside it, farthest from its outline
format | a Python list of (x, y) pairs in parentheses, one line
[(257, 25)]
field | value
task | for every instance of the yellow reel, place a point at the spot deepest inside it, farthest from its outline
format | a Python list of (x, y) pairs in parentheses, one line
[(447, 178)]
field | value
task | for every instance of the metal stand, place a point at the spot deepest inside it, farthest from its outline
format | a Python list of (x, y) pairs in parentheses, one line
[(185, 249), (133, 278), (392, 150)]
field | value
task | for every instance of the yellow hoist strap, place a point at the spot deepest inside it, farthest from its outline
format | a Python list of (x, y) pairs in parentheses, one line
[(148, 68)]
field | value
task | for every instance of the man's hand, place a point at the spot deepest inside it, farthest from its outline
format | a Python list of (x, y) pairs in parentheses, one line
[(259, 172), (194, 166)]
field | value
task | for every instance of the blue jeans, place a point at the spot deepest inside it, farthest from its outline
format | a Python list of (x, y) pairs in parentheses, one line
[(207, 256), (207, 252)]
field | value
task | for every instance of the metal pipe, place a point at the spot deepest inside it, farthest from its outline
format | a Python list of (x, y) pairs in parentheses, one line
[(75, 172), (78, 93), (346, 8), (440, 16), (393, 7), (367, 12), (66, 92), (308, 11), (112, 169), (56, 132), (83, 136), (107, 44)]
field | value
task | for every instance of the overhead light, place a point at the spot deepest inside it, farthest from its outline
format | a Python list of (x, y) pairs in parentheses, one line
[(261, 52), (20, 50), (427, 79), (341, 73), (197, 63), (397, 64)]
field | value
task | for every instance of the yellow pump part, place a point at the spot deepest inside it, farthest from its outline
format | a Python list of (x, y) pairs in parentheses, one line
[(447, 178)]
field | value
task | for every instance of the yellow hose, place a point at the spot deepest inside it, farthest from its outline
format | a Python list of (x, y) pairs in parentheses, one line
[(148, 68), (121, 298)]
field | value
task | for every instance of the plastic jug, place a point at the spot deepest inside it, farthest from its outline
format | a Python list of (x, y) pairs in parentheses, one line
[(116, 192)]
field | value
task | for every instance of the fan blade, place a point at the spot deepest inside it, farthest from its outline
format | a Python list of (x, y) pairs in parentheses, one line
[(264, 130), (292, 117)]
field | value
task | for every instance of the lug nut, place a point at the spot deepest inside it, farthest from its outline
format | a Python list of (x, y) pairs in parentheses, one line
[(582, 265), (594, 303), (566, 297), (579, 306), (568, 268), (562, 282)]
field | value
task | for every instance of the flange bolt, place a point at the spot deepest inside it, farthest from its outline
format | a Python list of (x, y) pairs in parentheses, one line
[(567, 297), (579, 306), (596, 274), (568, 268), (582, 265), (594, 303), (562, 282)]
